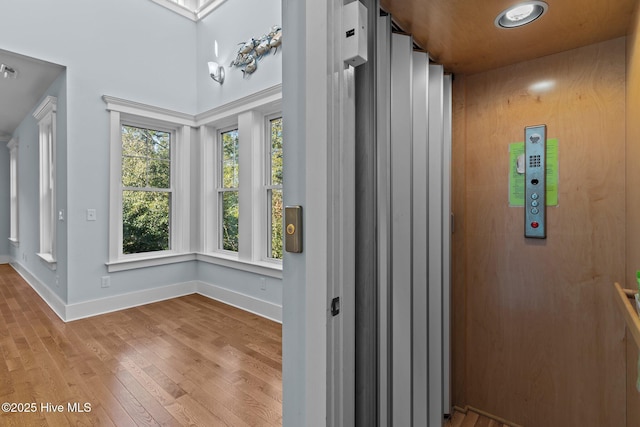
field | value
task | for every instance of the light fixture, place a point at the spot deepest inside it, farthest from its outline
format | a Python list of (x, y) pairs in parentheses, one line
[(521, 14), (216, 72), (8, 72)]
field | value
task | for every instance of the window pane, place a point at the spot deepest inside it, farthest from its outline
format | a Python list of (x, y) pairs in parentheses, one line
[(230, 211), (134, 171), (145, 221), (276, 151), (158, 173), (132, 141), (230, 159), (275, 202), (146, 157), (160, 144)]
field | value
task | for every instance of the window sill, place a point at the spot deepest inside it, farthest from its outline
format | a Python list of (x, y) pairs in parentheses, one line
[(14, 242), (48, 260), (265, 268), (148, 261)]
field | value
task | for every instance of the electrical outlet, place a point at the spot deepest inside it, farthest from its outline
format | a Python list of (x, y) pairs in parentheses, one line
[(105, 281), (263, 284), (91, 214)]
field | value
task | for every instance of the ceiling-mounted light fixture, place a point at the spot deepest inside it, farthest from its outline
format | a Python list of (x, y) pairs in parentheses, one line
[(8, 72), (216, 72), (521, 14)]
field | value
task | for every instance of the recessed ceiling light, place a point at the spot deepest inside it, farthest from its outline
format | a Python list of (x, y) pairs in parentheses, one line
[(521, 14)]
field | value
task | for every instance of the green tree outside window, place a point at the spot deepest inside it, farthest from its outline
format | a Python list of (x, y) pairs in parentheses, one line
[(229, 194), (274, 192), (146, 195)]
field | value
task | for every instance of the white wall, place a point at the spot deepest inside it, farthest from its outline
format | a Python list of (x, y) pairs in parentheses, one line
[(142, 52), (232, 23)]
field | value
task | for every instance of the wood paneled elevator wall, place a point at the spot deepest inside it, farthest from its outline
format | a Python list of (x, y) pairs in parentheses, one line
[(537, 338), (633, 204)]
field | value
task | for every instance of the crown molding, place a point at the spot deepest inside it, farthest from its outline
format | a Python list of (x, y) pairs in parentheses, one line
[(150, 111), (265, 99), (48, 105)]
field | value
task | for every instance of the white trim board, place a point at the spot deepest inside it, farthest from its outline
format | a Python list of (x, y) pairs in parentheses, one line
[(84, 309), (244, 302), (264, 100), (54, 301)]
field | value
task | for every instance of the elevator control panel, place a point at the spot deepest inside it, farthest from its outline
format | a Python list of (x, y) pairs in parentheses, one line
[(293, 229), (535, 200)]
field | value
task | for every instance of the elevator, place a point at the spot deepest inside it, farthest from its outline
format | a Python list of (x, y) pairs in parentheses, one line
[(405, 178)]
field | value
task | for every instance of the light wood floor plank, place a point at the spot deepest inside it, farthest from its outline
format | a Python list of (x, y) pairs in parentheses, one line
[(471, 417), (456, 419), (190, 361)]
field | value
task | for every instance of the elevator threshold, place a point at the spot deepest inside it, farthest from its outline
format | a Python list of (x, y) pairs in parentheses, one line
[(472, 417)]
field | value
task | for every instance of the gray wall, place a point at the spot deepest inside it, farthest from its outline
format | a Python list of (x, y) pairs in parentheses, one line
[(4, 200), (294, 359), (29, 190), (232, 23)]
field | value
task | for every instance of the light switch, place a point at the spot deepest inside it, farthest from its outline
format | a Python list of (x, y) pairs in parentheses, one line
[(91, 214)]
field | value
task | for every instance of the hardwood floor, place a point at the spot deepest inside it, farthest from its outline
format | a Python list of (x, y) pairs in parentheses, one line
[(189, 361)]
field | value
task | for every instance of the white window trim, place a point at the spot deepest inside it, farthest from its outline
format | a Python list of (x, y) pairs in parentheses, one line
[(45, 114), (128, 112), (14, 228), (250, 115), (192, 9)]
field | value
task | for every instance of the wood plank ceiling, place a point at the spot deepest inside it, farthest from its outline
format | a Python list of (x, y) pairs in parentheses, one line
[(461, 35)]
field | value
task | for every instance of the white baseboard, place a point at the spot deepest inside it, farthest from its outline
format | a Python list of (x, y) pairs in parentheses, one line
[(5, 259), (248, 303), (133, 299), (110, 304), (51, 298), (81, 310)]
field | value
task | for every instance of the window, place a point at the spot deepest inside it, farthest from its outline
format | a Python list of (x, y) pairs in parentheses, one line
[(13, 190), (45, 114), (228, 186), (242, 191), (149, 188), (146, 189), (273, 188)]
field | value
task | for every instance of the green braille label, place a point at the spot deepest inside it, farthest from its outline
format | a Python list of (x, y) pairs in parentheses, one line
[(638, 380)]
